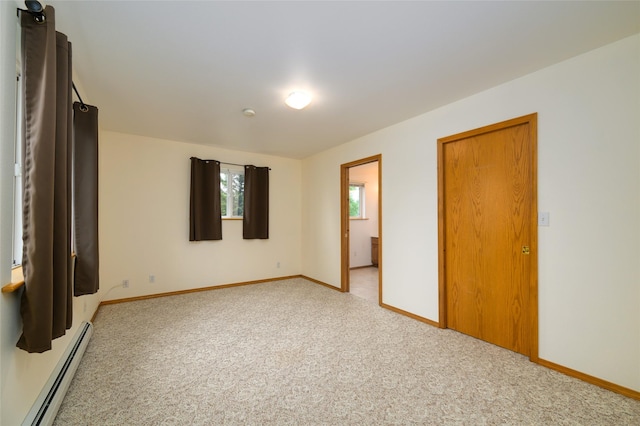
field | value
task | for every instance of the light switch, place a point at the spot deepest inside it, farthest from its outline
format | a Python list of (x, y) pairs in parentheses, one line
[(543, 218)]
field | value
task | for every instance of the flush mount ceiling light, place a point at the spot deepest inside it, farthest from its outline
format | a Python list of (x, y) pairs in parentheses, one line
[(298, 100), (248, 112)]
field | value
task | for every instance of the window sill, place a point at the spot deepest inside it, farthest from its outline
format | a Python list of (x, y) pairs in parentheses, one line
[(231, 218), (358, 218), (17, 280)]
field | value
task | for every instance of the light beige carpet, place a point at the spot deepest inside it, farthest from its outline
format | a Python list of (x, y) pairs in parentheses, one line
[(296, 353)]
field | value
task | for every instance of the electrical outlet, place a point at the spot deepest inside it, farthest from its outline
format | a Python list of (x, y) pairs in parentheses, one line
[(152, 278), (278, 265), (125, 283)]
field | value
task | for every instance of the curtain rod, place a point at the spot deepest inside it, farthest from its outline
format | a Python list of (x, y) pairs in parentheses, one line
[(37, 11), (231, 164), (234, 164), (222, 162), (83, 106)]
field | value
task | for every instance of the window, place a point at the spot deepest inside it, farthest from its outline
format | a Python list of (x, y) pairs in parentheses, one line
[(232, 192), (356, 201), (17, 177)]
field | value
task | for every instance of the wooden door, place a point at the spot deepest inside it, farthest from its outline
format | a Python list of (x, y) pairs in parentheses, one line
[(488, 234)]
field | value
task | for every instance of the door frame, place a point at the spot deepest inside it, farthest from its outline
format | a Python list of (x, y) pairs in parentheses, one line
[(344, 221), (532, 121)]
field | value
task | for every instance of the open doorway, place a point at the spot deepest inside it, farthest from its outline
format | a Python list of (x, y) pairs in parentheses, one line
[(361, 206)]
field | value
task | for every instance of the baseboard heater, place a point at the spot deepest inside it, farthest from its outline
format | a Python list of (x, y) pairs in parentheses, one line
[(46, 407)]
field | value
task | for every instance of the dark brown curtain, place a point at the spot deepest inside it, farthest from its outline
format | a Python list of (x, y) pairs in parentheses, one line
[(255, 223), (85, 199), (205, 216), (46, 305)]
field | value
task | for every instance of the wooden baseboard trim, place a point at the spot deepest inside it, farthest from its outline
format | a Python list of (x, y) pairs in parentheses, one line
[(321, 283), (409, 314), (548, 364), (382, 305), (195, 290), (95, 314), (590, 379)]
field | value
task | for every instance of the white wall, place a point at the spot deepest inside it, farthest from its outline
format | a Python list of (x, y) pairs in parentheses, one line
[(22, 375), (588, 179), (361, 231), (144, 220)]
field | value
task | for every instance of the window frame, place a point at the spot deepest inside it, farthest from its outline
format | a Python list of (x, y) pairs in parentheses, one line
[(16, 231)]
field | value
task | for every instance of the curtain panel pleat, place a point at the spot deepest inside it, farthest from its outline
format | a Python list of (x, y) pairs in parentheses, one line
[(205, 215), (85, 199), (255, 222), (46, 304)]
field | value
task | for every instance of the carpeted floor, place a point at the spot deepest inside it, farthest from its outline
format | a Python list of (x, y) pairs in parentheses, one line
[(295, 353)]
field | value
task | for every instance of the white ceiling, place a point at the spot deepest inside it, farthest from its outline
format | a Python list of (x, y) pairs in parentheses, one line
[(185, 70)]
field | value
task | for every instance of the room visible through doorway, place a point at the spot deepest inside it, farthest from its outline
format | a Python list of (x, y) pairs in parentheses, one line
[(360, 212)]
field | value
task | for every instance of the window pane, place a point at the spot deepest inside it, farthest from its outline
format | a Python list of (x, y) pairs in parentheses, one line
[(237, 187), (354, 201), (223, 193)]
